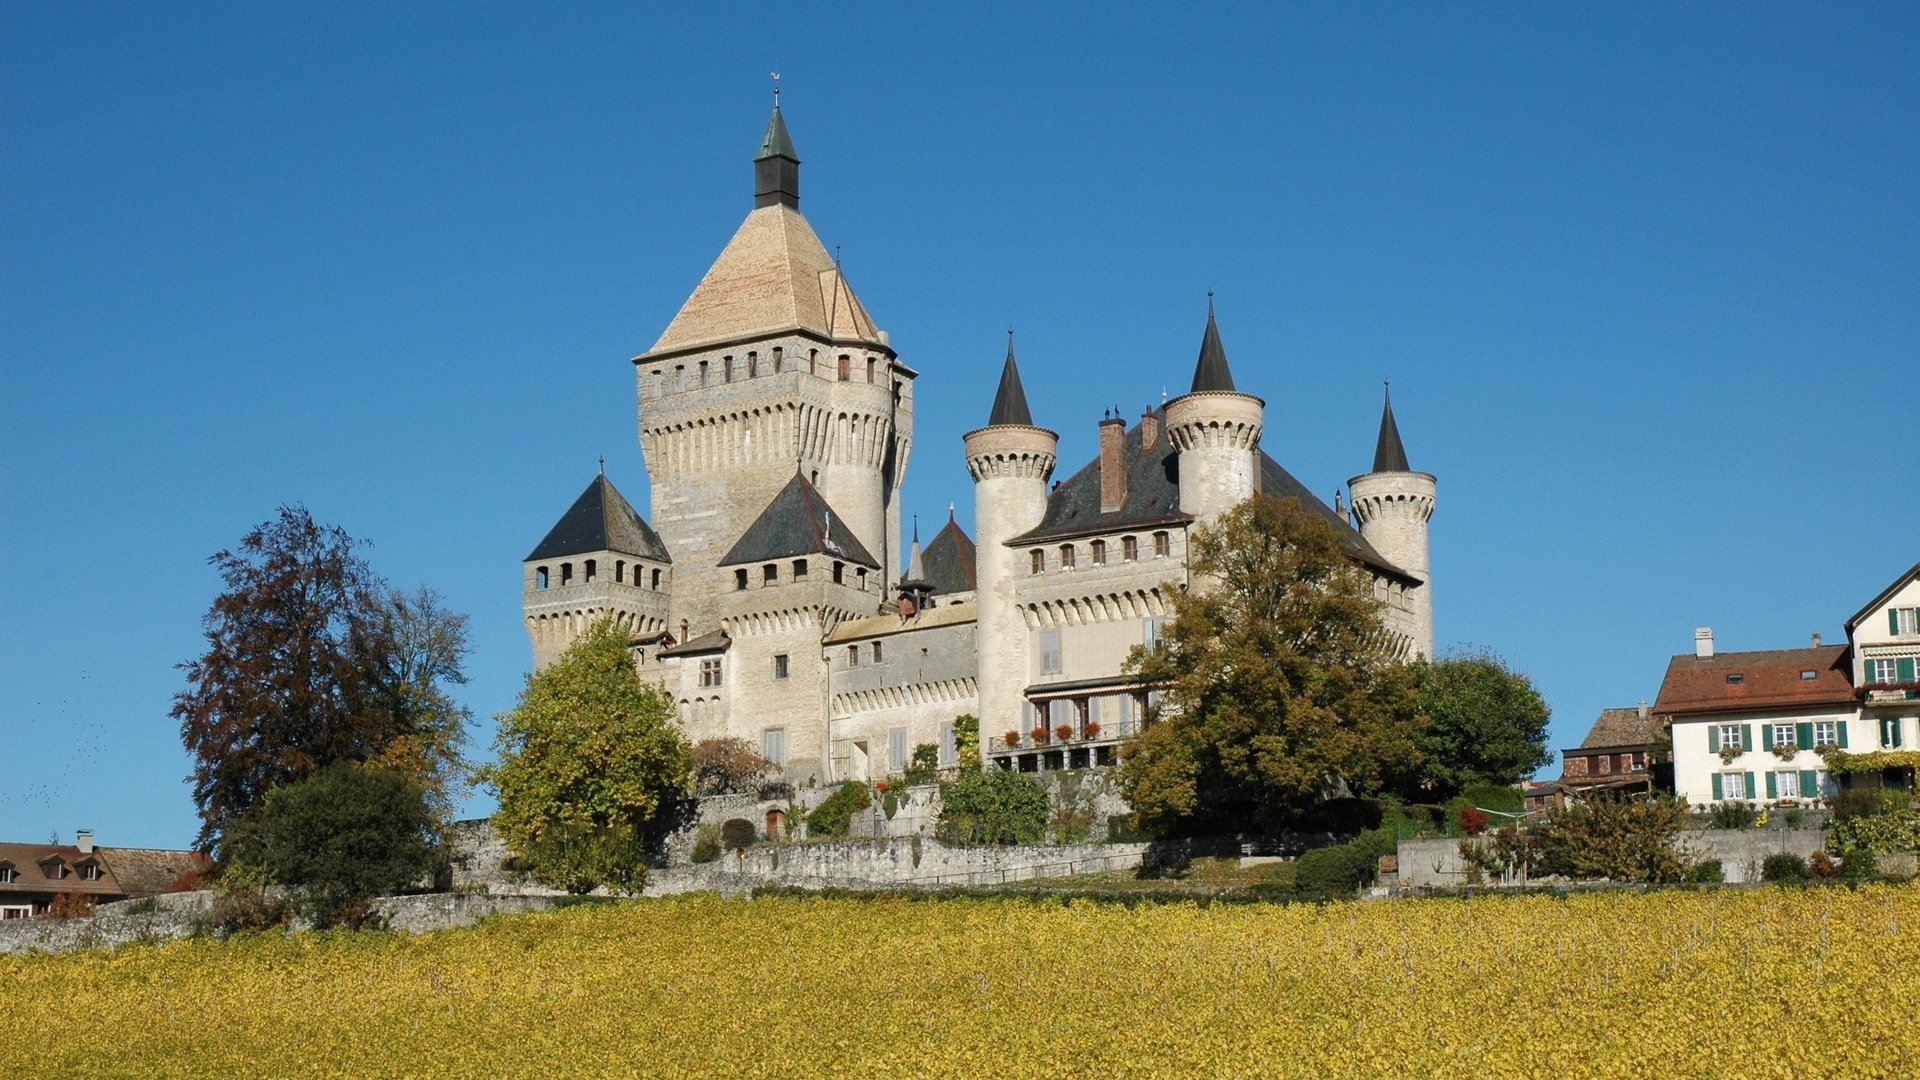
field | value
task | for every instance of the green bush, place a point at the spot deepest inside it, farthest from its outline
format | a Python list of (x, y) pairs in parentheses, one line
[(1707, 872), (737, 833), (834, 816), (1733, 815), (992, 806), (1783, 866)]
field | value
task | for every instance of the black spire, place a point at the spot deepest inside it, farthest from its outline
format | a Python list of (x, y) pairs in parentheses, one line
[(776, 168), (1010, 404), (1211, 373), (1388, 454)]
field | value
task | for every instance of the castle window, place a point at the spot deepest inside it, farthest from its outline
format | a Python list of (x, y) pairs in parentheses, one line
[(853, 656), (871, 366), (1050, 652), (620, 571), (656, 580), (779, 358), (740, 579), (566, 573), (780, 665), (540, 577), (1036, 561), (1099, 549), (1130, 548), (710, 672), (839, 573), (799, 569), (1162, 545), (876, 652), (1066, 556), (769, 573), (846, 363), (591, 566), (726, 372)]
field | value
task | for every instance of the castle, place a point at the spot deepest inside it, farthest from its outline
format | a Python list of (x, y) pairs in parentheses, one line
[(768, 593)]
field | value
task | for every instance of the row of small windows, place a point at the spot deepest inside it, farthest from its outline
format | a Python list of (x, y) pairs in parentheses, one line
[(1098, 552), (590, 569), (770, 574), (751, 368)]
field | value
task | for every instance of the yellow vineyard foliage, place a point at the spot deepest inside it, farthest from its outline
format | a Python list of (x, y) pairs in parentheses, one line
[(1748, 983)]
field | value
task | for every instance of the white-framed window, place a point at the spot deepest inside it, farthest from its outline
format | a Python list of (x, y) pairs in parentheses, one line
[(1050, 659), (1782, 735), (1889, 731), (1826, 733), (773, 745), (1733, 785), (949, 745), (1786, 783), (710, 672), (1730, 736), (1882, 671), (897, 749)]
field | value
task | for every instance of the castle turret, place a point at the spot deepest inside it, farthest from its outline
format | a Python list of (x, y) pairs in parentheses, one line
[(1011, 461), (1217, 431), (1393, 504)]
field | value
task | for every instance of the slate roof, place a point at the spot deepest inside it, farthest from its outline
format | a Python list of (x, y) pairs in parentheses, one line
[(1010, 401), (1388, 454), (1768, 680), (601, 519), (798, 522), (1885, 595), (1153, 498), (1622, 727), (948, 560)]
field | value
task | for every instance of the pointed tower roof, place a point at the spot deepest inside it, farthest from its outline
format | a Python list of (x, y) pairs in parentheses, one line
[(1388, 454), (1210, 371), (798, 522), (601, 519), (1010, 402)]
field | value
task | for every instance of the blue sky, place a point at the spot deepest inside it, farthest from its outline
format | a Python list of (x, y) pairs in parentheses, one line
[(1644, 280)]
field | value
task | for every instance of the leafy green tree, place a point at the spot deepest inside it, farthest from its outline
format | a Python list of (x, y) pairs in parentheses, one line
[(341, 837), (991, 806), (592, 770), (1279, 683), (310, 660), (1486, 724)]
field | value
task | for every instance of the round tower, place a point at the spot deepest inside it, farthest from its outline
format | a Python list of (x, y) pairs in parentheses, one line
[(1217, 431), (1011, 461), (1393, 504)]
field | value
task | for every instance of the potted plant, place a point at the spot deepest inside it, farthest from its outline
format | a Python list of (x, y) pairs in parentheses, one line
[(1063, 732), (1039, 733), (1092, 730)]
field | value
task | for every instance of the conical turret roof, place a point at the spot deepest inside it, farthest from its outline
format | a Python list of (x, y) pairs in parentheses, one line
[(1010, 401), (1388, 454)]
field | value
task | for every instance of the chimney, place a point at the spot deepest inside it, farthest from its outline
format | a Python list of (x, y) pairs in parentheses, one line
[(1816, 639), (1644, 710), (1149, 429), (83, 839), (1703, 643), (1113, 464)]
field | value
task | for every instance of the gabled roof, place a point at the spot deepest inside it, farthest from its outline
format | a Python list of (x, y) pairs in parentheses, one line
[(1010, 401), (1153, 498), (1886, 594), (601, 519), (1210, 370), (947, 563), (774, 277), (1622, 727), (1770, 679), (798, 522), (1388, 454)]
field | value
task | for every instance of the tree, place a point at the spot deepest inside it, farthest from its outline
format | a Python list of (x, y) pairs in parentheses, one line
[(991, 806), (1486, 723), (341, 837), (1279, 684), (592, 770), (725, 766), (311, 661)]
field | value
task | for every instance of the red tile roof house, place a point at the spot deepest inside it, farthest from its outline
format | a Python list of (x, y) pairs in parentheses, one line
[(33, 876)]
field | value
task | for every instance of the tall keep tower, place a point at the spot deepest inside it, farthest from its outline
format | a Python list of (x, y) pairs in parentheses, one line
[(1393, 504), (771, 362), (1011, 460), (1217, 431)]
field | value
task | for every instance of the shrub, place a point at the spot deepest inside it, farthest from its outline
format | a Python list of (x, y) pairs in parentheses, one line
[(737, 834), (992, 806), (834, 816), (1707, 872), (1783, 866), (1733, 815)]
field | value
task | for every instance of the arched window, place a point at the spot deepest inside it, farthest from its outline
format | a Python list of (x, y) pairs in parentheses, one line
[(590, 568), (1099, 552), (1037, 561), (1066, 556), (566, 573), (540, 577)]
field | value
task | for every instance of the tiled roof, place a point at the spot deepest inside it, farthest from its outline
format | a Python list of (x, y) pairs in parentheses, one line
[(798, 522), (1622, 727), (601, 519), (1742, 681)]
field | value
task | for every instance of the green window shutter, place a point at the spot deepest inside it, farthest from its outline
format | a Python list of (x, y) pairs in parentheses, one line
[(1803, 735), (1840, 729), (1809, 784), (1746, 740), (1753, 791), (1772, 787), (1716, 788), (1905, 668), (1713, 741)]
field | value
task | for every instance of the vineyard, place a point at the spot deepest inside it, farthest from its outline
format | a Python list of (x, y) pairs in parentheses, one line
[(1760, 982)]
